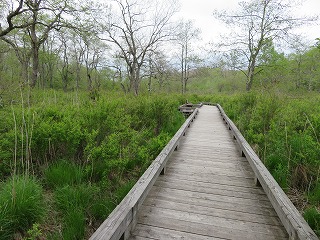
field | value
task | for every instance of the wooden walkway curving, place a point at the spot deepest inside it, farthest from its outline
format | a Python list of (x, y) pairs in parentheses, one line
[(207, 191)]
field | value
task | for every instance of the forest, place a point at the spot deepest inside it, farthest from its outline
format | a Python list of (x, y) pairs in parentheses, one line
[(89, 93)]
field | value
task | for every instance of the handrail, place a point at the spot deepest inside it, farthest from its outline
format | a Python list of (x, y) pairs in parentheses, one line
[(290, 217), (123, 218)]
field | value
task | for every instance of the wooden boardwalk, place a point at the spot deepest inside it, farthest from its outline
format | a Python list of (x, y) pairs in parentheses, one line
[(207, 191)]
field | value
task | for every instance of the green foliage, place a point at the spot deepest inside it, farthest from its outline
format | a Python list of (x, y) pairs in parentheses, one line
[(21, 204), (284, 131), (312, 216), (6, 223), (102, 207), (314, 194), (74, 202), (78, 197), (74, 224), (123, 190), (63, 173), (34, 233)]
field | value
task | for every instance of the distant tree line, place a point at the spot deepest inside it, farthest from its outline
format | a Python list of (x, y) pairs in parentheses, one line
[(129, 43)]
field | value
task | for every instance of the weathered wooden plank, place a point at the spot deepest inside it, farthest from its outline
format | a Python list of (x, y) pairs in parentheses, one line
[(212, 197), (292, 220), (207, 156), (168, 234), (253, 209), (208, 172), (224, 166), (212, 211), (214, 169), (122, 219), (173, 182), (209, 190), (224, 181), (183, 223), (215, 221), (206, 159)]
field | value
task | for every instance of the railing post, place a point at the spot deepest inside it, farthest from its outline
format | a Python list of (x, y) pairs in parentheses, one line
[(163, 171)]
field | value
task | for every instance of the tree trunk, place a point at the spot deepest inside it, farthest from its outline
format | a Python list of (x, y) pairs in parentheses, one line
[(24, 71), (250, 73), (136, 81), (249, 82), (182, 69), (35, 65)]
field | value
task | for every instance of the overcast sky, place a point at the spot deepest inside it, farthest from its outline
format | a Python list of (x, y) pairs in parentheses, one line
[(201, 12)]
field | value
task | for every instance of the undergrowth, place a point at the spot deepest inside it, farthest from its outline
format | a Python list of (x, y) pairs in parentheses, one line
[(86, 153), (284, 130)]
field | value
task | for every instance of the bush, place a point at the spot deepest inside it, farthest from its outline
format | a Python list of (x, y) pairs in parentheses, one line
[(21, 204), (71, 197), (74, 202), (102, 207), (74, 224), (6, 224), (63, 173), (312, 217)]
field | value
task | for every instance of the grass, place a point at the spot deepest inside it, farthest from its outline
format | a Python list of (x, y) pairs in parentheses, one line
[(63, 173), (21, 204), (312, 216), (74, 224)]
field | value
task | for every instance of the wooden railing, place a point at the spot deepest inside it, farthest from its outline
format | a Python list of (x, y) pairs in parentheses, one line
[(290, 217), (123, 218), (188, 108)]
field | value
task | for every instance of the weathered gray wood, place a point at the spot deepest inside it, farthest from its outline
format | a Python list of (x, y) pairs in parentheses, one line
[(222, 197), (223, 182), (122, 219), (208, 190), (162, 233), (190, 224), (212, 211), (266, 210), (253, 193), (292, 220), (208, 173)]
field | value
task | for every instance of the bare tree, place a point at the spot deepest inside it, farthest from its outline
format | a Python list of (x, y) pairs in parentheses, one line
[(160, 69), (254, 25), (39, 18), (136, 28), (10, 12), (22, 52), (93, 55), (186, 34)]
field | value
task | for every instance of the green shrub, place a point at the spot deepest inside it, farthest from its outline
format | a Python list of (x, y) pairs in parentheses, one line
[(71, 197), (314, 195), (74, 224), (6, 224), (63, 173), (22, 197), (312, 217), (74, 203), (102, 207), (123, 190), (34, 233)]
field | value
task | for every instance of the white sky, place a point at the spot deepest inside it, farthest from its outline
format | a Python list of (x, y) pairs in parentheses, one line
[(201, 12)]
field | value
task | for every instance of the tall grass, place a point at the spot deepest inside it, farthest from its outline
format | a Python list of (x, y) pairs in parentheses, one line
[(63, 173), (21, 204)]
